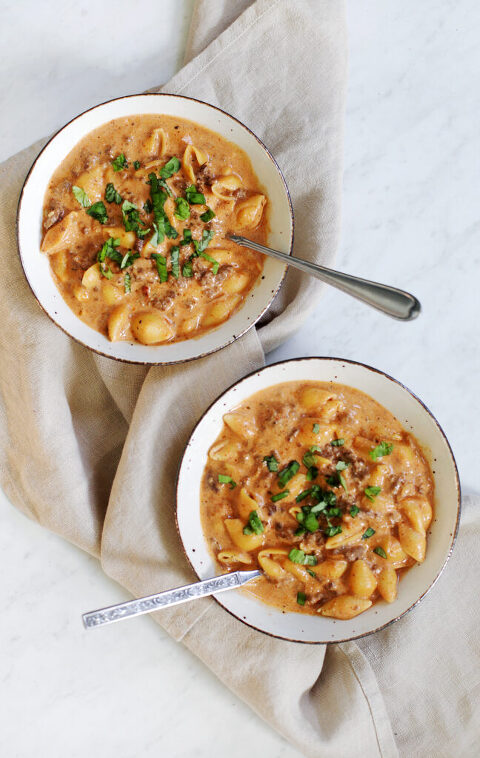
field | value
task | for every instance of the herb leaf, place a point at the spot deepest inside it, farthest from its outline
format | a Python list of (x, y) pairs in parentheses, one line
[(354, 510), (132, 220), (316, 428), (193, 196), (384, 448), (119, 163), (98, 212), (159, 197), (207, 216), (254, 524), (341, 466), (225, 479), (136, 165), (175, 258), (380, 551), (105, 270), (279, 496), (372, 492), (298, 556), (337, 443), (111, 194), (108, 249), (272, 463), (81, 196), (368, 533), (187, 237), (301, 598), (170, 168), (187, 269), (202, 245), (127, 283), (161, 262), (287, 473), (183, 209)]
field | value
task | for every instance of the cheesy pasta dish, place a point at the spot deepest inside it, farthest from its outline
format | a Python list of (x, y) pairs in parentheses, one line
[(321, 488), (135, 222)]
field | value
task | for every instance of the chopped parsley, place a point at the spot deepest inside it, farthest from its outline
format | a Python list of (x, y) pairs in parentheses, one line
[(368, 533), (98, 212), (301, 598), (254, 525), (380, 551), (119, 163), (287, 473), (279, 496), (127, 283), (81, 196), (161, 262), (225, 479), (207, 216), (384, 448), (298, 556), (337, 443), (315, 427), (272, 463), (183, 209), (354, 510), (136, 165), (193, 196), (170, 168), (111, 194), (175, 258), (372, 492)]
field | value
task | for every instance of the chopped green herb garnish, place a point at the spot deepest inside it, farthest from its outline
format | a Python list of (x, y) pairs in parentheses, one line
[(287, 473), (342, 481), (183, 209), (98, 212), (170, 168), (331, 531), (368, 533), (341, 466), (298, 532), (254, 524), (272, 463), (380, 551), (132, 220), (108, 249), (105, 271), (372, 492), (207, 216), (147, 206), (193, 196), (312, 473), (161, 262), (81, 196), (215, 263), (111, 194), (175, 258), (338, 443), (202, 245), (136, 165), (354, 510), (279, 496), (225, 479), (187, 237), (312, 573), (310, 522), (119, 163), (301, 598), (187, 269), (384, 448), (298, 556), (127, 283), (309, 459), (316, 428), (158, 197), (305, 493)]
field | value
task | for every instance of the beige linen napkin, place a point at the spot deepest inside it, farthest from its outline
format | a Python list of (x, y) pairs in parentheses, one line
[(89, 447)]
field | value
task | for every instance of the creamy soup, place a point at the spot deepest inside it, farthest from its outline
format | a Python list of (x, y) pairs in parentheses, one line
[(321, 488), (135, 223)]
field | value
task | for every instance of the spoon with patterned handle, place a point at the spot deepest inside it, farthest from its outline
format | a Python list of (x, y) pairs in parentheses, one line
[(168, 598)]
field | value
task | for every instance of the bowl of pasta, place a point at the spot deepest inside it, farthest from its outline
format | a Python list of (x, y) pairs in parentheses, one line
[(123, 228), (332, 479)]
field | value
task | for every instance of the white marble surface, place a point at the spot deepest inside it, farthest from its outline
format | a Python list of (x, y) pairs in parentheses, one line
[(410, 218)]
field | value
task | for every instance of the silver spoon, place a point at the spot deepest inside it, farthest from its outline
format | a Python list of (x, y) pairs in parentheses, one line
[(169, 597), (390, 300)]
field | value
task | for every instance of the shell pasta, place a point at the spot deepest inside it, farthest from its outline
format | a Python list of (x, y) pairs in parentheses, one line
[(135, 226), (321, 488)]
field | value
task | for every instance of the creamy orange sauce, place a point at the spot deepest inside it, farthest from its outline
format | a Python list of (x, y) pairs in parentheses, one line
[(357, 498), (196, 278)]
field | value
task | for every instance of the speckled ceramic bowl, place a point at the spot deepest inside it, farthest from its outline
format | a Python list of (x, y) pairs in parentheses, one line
[(411, 413), (36, 265)]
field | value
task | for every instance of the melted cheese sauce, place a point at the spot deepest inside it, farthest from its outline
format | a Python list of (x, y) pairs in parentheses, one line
[(355, 521), (125, 298)]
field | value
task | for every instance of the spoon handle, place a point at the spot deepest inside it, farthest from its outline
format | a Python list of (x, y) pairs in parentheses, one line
[(169, 597), (390, 300)]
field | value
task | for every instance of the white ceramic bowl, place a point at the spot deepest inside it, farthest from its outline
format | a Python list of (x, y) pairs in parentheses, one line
[(36, 265), (411, 413)]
